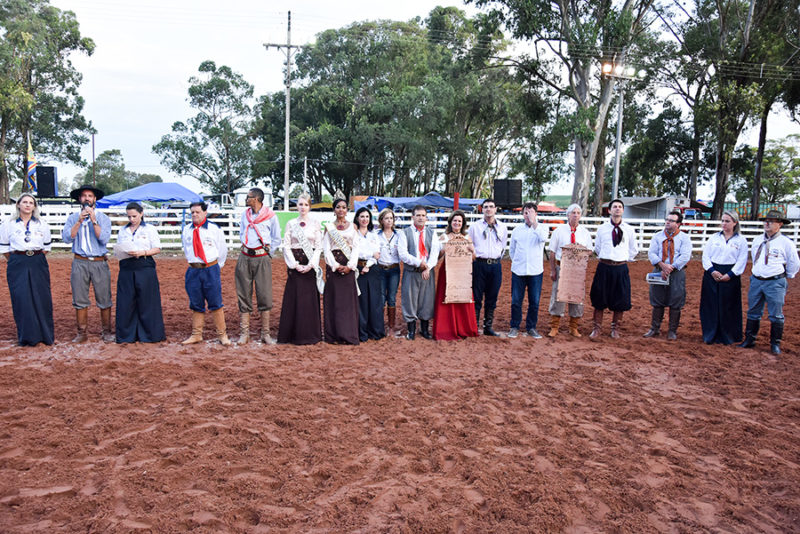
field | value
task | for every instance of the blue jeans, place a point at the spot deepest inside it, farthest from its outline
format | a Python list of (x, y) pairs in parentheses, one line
[(769, 292), (518, 286), (390, 280)]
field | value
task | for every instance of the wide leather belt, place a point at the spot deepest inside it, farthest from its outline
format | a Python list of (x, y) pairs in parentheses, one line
[(90, 258), (612, 262), (28, 252), (388, 267), (255, 252), (203, 265), (776, 277), (488, 261)]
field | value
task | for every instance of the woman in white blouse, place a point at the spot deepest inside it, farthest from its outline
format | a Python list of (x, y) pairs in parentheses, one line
[(389, 266), (139, 316), (340, 300), (370, 299), (24, 241), (724, 261), (301, 322)]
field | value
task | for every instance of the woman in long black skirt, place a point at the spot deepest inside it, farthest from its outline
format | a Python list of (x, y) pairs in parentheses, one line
[(724, 261), (139, 316), (301, 323), (24, 241), (370, 300), (340, 300)]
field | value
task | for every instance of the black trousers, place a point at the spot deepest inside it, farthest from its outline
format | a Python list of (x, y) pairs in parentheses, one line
[(370, 305), (28, 280), (139, 316)]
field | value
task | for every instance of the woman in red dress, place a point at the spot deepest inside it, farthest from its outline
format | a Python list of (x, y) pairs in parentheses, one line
[(453, 321)]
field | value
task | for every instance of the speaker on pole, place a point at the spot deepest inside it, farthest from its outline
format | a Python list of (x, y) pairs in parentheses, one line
[(508, 193), (47, 181)]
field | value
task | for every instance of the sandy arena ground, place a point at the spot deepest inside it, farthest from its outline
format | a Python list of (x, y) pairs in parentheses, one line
[(483, 435)]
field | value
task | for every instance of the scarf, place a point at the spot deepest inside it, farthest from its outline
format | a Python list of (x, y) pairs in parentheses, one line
[(616, 233), (265, 213), (197, 242), (572, 235), (668, 247), (423, 252), (765, 244)]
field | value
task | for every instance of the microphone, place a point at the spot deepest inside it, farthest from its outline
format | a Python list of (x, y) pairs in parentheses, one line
[(85, 205)]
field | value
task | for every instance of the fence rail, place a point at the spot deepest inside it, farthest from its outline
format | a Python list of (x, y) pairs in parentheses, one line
[(170, 222)]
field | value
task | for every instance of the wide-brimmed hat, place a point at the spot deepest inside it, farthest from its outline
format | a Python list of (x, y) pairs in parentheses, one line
[(777, 215), (76, 193)]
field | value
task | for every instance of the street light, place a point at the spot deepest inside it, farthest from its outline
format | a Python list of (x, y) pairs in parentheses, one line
[(624, 73)]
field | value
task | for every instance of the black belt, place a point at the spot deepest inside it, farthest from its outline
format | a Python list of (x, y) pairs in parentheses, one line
[(412, 269), (776, 277), (388, 267), (488, 261), (28, 252)]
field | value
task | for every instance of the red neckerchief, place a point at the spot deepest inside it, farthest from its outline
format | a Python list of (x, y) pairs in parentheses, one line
[(197, 242)]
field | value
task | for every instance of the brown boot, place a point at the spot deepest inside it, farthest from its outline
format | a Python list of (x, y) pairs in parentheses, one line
[(573, 327), (105, 319), (265, 337), (597, 322), (555, 322), (82, 320), (218, 316), (244, 328), (616, 324), (391, 318), (198, 318)]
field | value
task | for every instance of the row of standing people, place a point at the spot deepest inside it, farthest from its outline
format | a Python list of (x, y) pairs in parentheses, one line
[(363, 272)]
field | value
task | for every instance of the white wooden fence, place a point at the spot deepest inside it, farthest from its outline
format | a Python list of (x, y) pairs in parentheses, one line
[(170, 222)]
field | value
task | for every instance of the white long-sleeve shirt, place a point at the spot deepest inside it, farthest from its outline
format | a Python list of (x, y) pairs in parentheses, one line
[(527, 249), (214, 245), (604, 246), (732, 251)]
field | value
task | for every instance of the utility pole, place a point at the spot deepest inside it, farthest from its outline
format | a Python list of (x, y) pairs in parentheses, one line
[(289, 49)]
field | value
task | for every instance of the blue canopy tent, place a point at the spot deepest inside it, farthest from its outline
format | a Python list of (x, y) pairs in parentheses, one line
[(431, 200), (154, 192)]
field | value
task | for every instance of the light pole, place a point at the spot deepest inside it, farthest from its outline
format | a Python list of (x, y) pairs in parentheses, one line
[(623, 73)]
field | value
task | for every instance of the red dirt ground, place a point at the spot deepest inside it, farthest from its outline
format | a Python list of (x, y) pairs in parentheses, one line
[(483, 435)]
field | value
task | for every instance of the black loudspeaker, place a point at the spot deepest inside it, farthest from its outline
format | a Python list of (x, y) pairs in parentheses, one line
[(508, 193), (47, 181)]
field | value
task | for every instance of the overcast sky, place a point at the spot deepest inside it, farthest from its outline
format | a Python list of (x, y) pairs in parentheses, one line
[(135, 84)]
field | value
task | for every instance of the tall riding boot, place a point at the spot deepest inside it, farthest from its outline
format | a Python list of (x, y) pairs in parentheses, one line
[(597, 324), (198, 318), (477, 313), (218, 316), (573, 327), (750, 333), (412, 329), (674, 321), (105, 319), (616, 324), (424, 330), (775, 335), (391, 318), (82, 320), (265, 337), (244, 328), (655, 322), (488, 319), (555, 322)]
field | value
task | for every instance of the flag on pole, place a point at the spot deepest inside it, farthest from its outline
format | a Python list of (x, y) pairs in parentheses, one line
[(31, 168)]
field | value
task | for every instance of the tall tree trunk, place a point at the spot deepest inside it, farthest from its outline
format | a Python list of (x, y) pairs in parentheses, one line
[(4, 196), (599, 176), (762, 143), (691, 191)]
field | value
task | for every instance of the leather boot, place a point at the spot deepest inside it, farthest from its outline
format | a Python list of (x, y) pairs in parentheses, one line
[(616, 324), (244, 328), (265, 337), (107, 335), (555, 322), (391, 319), (488, 319), (218, 316), (655, 322), (597, 324), (573, 327), (750, 333), (412, 330), (674, 321), (424, 330), (775, 335), (198, 318), (82, 320)]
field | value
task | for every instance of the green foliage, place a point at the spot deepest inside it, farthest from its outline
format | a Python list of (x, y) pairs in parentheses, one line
[(214, 146), (111, 175), (780, 173), (39, 86)]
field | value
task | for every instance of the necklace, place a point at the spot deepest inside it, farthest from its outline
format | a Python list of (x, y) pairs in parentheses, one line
[(341, 225)]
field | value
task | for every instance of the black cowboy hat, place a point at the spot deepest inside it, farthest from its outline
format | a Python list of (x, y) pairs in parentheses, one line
[(76, 193), (777, 215)]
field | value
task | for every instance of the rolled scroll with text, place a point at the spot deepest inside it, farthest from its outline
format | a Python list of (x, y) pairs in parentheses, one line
[(458, 262), (572, 276)]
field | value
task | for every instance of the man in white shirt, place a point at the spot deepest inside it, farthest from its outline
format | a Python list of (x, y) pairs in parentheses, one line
[(489, 238), (565, 234), (527, 270), (615, 245), (260, 234), (418, 248), (774, 260), (205, 249)]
